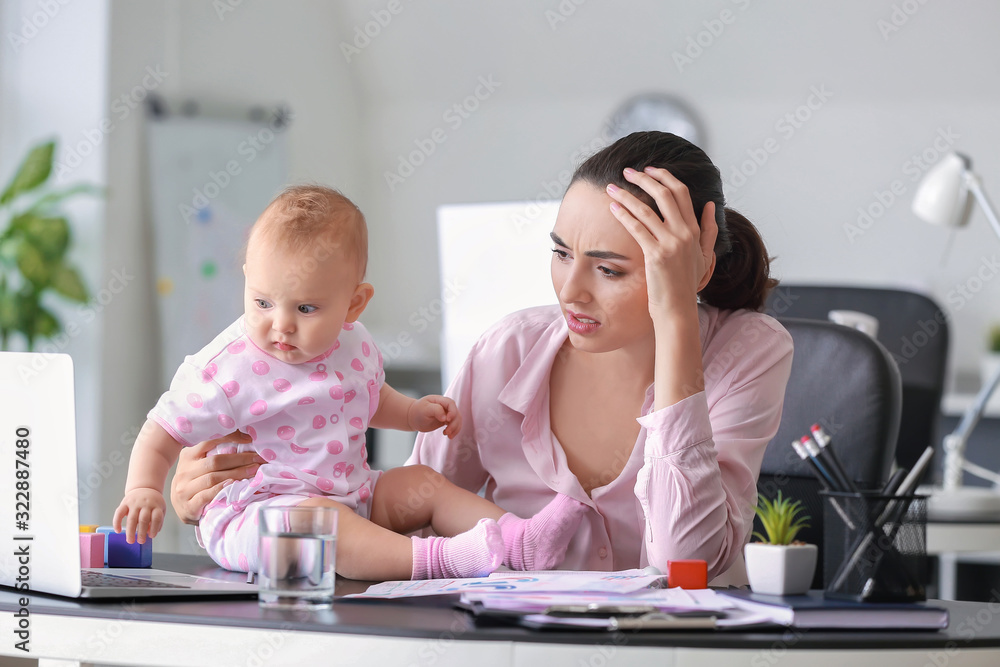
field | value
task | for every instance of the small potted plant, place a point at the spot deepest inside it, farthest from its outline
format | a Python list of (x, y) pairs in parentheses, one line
[(779, 564)]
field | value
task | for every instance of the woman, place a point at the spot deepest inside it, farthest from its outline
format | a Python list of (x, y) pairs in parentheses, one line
[(649, 404)]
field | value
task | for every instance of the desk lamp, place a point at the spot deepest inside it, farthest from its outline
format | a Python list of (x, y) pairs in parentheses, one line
[(942, 198)]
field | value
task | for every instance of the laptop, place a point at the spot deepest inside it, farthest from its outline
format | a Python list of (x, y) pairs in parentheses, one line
[(38, 484)]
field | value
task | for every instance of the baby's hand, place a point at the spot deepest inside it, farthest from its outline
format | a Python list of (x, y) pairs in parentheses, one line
[(144, 509), (432, 412)]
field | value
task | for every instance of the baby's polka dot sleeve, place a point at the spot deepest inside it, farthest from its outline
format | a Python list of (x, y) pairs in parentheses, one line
[(196, 407)]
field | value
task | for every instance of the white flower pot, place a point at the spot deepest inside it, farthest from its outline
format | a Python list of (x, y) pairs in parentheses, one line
[(780, 570)]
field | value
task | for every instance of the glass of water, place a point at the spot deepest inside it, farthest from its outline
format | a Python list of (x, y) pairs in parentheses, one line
[(298, 547)]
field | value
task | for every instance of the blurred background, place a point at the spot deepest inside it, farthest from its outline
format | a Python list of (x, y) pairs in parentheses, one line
[(821, 117)]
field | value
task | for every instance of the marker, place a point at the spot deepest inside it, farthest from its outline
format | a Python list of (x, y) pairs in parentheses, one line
[(823, 480), (814, 453)]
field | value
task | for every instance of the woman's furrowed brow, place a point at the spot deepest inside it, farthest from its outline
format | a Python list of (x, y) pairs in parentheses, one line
[(596, 254)]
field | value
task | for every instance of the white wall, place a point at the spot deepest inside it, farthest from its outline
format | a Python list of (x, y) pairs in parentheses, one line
[(45, 95)]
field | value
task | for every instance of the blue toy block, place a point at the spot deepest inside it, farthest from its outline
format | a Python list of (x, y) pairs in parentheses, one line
[(106, 530), (123, 554)]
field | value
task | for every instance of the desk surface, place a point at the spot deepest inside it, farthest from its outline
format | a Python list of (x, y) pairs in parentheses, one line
[(216, 632)]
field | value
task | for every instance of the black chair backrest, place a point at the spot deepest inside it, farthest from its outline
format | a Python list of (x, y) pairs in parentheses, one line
[(912, 327), (848, 383)]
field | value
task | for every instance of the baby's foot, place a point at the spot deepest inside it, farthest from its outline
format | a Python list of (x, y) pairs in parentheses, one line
[(540, 543), (474, 553)]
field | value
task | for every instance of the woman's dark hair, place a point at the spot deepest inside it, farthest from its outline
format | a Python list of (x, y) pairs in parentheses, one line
[(742, 276)]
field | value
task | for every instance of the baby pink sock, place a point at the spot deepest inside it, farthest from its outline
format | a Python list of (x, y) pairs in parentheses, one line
[(539, 543), (474, 553)]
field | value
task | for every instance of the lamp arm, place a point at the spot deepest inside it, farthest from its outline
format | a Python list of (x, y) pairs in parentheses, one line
[(974, 186), (954, 443)]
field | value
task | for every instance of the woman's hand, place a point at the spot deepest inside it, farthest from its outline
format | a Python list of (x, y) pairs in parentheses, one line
[(679, 256), (200, 477)]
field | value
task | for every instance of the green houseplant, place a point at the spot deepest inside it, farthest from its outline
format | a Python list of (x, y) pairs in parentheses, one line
[(779, 564), (35, 237)]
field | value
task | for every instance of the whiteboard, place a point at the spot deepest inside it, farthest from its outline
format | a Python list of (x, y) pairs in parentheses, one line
[(208, 180)]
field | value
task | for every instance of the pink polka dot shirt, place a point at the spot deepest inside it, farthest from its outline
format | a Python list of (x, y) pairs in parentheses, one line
[(307, 420)]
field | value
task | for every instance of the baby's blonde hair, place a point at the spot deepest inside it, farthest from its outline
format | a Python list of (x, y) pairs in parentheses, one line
[(307, 217)]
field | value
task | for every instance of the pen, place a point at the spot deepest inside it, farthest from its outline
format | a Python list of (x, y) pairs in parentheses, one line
[(823, 480), (826, 448), (836, 481)]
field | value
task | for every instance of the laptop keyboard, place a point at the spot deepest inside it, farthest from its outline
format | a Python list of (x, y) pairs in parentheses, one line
[(99, 579)]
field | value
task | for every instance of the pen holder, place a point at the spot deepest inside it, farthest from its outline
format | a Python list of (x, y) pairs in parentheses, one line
[(874, 546)]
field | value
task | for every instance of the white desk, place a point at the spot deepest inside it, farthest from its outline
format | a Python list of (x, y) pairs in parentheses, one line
[(221, 633)]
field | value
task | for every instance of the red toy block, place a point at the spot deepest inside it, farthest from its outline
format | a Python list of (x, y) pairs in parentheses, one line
[(91, 550), (689, 573), (123, 554)]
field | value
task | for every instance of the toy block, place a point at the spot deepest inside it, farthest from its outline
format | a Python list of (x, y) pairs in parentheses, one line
[(91, 550), (123, 554), (688, 573), (88, 527), (105, 530)]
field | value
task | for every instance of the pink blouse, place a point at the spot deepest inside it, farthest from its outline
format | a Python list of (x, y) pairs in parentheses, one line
[(688, 490)]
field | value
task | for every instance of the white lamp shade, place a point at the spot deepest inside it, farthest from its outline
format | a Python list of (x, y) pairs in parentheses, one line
[(942, 197)]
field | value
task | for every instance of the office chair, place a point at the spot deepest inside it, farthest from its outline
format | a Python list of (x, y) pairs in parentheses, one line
[(848, 383), (912, 327)]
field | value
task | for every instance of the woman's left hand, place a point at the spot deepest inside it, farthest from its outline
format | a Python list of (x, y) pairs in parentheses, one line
[(679, 255)]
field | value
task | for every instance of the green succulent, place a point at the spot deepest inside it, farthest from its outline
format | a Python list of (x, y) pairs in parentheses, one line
[(781, 519), (994, 339), (34, 239)]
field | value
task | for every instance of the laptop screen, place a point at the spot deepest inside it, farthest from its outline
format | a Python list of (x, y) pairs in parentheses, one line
[(39, 543)]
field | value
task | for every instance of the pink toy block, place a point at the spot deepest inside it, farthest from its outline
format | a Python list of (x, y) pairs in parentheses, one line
[(91, 550)]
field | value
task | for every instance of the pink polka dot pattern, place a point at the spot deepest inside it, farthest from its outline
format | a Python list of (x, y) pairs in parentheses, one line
[(349, 396), (226, 421), (309, 471), (194, 400), (231, 388), (258, 407), (297, 449), (340, 376), (336, 345), (357, 365), (286, 474), (236, 347), (364, 493), (366, 349), (334, 419), (268, 454), (336, 392), (307, 400), (260, 367), (281, 384), (335, 447), (252, 432), (320, 374), (286, 432), (319, 422), (348, 326), (225, 563), (357, 423), (183, 424), (212, 369), (325, 484), (339, 468), (243, 562)]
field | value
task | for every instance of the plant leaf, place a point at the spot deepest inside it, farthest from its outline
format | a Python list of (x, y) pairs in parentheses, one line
[(31, 262), (49, 235), (8, 311), (58, 195), (46, 324), (67, 281), (34, 171)]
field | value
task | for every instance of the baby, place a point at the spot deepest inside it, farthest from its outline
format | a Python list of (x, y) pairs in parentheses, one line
[(302, 377)]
